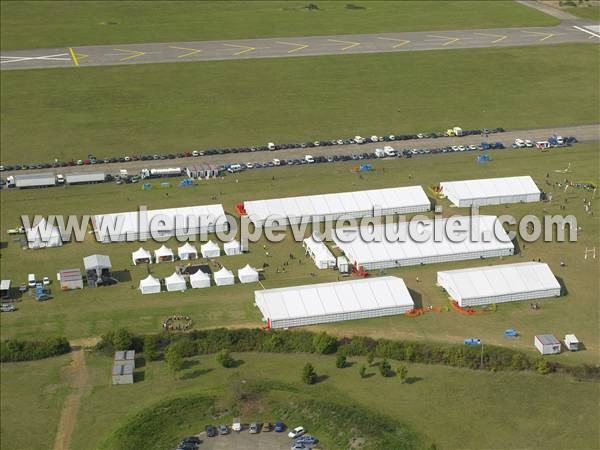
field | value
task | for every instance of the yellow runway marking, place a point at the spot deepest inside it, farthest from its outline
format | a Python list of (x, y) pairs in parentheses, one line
[(191, 51), (401, 41), (73, 56), (450, 39), (300, 46), (133, 54), (352, 44), (546, 35), (247, 49), (499, 36)]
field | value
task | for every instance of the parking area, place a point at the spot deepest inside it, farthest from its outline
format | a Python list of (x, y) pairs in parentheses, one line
[(246, 441)]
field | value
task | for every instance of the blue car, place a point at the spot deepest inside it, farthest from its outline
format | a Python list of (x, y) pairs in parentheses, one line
[(307, 439), (279, 427)]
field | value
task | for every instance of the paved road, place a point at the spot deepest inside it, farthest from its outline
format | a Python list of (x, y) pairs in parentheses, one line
[(127, 54), (584, 133)]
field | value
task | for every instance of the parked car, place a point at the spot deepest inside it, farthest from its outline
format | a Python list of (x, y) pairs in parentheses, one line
[(298, 431), (296, 446), (254, 428), (267, 427), (306, 439), (279, 427), (223, 429), (8, 308), (210, 431), (46, 281), (237, 425)]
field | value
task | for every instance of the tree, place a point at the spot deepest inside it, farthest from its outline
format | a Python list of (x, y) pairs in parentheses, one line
[(370, 358), (150, 348), (340, 361), (325, 344), (362, 370), (542, 367), (174, 358), (309, 376), (402, 372), (385, 367), (225, 359)]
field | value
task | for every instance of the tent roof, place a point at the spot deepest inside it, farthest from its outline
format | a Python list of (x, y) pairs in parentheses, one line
[(490, 187), (141, 253), (319, 249), (5, 285), (547, 339), (500, 280), (174, 278), (95, 261), (338, 203), (331, 298), (187, 247), (150, 281), (232, 244), (210, 245), (199, 275), (223, 273), (247, 270), (163, 251)]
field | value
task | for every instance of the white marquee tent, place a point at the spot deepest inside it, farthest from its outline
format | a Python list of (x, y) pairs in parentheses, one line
[(224, 277), (210, 250), (326, 207), (248, 274), (388, 251), (42, 235), (333, 302), (143, 225), (232, 248), (175, 283), (498, 284), (319, 252), (187, 251), (199, 280), (491, 191), (163, 254), (149, 285), (141, 256)]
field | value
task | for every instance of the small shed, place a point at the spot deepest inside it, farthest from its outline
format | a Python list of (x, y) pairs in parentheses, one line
[(141, 256), (210, 250), (202, 171), (248, 274), (187, 251), (125, 357), (224, 277), (70, 279), (149, 285), (547, 344), (122, 374), (572, 343), (199, 279), (5, 289), (163, 254), (232, 248), (175, 283)]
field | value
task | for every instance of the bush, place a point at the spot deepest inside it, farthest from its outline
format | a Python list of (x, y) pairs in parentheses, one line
[(14, 350), (362, 371), (385, 368), (225, 359), (542, 367), (325, 344), (309, 376), (174, 358), (402, 373), (340, 361), (151, 352)]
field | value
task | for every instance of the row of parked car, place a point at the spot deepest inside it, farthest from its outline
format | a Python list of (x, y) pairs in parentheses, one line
[(92, 159)]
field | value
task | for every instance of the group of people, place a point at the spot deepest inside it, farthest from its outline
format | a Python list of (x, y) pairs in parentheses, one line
[(177, 323)]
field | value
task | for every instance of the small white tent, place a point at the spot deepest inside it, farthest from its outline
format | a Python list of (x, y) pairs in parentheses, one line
[(187, 251), (199, 280), (232, 248), (150, 285), (163, 254), (210, 250), (223, 277), (175, 283), (248, 274), (43, 235), (141, 256)]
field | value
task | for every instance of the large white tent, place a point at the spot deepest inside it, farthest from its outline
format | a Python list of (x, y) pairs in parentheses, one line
[(199, 279), (210, 250), (42, 235), (232, 248), (175, 283), (326, 207), (187, 251), (223, 277), (163, 254), (141, 256), (143, 225), (498, 284), (319, 252), (333, 302), (414, 247), (491, 191), (248, 274), (149, 285)]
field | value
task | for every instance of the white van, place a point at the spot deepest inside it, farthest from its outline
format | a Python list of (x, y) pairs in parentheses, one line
[(389, 151), (379, 152), (309, 159), (31, 280), (276, 162), (234, 168)]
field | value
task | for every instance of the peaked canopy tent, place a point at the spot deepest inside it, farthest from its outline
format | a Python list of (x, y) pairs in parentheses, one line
[(327, 207), (224, 277), (175, 283), (149, 285), (319, 252), (499, 284), (163, 254), (141, 256), (248, 274), (210, 250), (333, 302), (187, 251), (383, 253), (232, 248), (42, 235), (491, 191), (199, 279), (143, 225)]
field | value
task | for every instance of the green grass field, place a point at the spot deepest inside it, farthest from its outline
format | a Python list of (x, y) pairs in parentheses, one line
[(92, 312), (25, 25), (591, 12), (112, 111)]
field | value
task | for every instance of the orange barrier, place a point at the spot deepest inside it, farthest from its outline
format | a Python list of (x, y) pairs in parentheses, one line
[(464, 311), (239, 208), (359, 271), (420, 311)]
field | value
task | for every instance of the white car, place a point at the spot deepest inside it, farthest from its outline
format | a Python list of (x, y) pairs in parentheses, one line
[(528, 143), (455, 148), (461, 148), (276, 162), (31, 280), (249, 166), (237, 425), (195, 153), (271, 146), (309, 159), (60, 179), (520, 143), (298, 431), (46, 281), (374, 138), (472, 147)]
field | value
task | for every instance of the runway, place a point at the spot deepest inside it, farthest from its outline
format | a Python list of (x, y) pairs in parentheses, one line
[(128, 54)]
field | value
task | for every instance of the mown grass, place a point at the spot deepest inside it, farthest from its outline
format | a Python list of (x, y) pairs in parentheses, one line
[(591, 12), (26, 24), (93, 312), (115, 111)]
